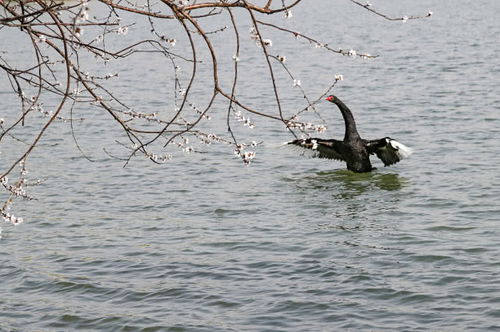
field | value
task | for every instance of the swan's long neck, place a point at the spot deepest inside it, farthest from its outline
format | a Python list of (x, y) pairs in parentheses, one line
[(350, 125)]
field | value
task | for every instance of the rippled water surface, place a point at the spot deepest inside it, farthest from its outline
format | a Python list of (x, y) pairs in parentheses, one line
[(287, 244)]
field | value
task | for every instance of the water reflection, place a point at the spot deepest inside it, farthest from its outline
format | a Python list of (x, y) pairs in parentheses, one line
[(345, 184), (351, 200)]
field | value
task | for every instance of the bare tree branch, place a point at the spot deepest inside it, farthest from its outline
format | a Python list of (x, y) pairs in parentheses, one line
[(64, 41)]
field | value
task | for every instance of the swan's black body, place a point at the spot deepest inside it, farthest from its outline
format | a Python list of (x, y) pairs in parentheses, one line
[(354, 150)]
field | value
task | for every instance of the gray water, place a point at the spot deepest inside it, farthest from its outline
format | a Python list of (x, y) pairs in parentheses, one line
[(203, 243)]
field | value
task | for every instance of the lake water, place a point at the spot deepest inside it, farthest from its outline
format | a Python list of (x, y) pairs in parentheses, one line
[(203, 243)]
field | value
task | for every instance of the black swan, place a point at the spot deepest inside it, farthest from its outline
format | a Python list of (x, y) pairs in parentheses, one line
[(354, 150)]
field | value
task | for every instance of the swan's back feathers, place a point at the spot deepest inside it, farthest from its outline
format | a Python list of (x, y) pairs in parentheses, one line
[(319, 148)]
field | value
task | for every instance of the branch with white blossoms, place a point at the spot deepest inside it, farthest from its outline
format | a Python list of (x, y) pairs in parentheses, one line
[(238, 115), (136, 148), (368, 6), (16, 190), (246, 156), (183, 144), (318, 44), (8, 217), (305, 127), (254, 35), (38, 107), (208, 139), (139, 115)]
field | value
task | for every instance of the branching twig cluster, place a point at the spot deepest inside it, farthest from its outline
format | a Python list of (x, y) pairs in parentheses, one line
[(368, 6), (62, 36)]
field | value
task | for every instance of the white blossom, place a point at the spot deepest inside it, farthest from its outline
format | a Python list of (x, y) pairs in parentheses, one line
[(267, 42), (11, 218), (253, 33), (84, 15), (122, 30), (78, 32), (339, 77), (246, 121), (97, 101), (296, 83), (352, 52), (248, 155), (315, 144), (281, 58), (305, 126), (41, 39), (405, 19), (235, 58), (320, 128)]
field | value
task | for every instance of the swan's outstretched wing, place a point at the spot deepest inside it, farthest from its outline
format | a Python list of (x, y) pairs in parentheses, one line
[(320, 148), (388, 150)]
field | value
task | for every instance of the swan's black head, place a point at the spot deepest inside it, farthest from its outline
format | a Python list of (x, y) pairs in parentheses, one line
[(331, 98)]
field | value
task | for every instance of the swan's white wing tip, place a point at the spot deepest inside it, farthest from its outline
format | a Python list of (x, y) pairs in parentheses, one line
[(302, 147), (401, 150)]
